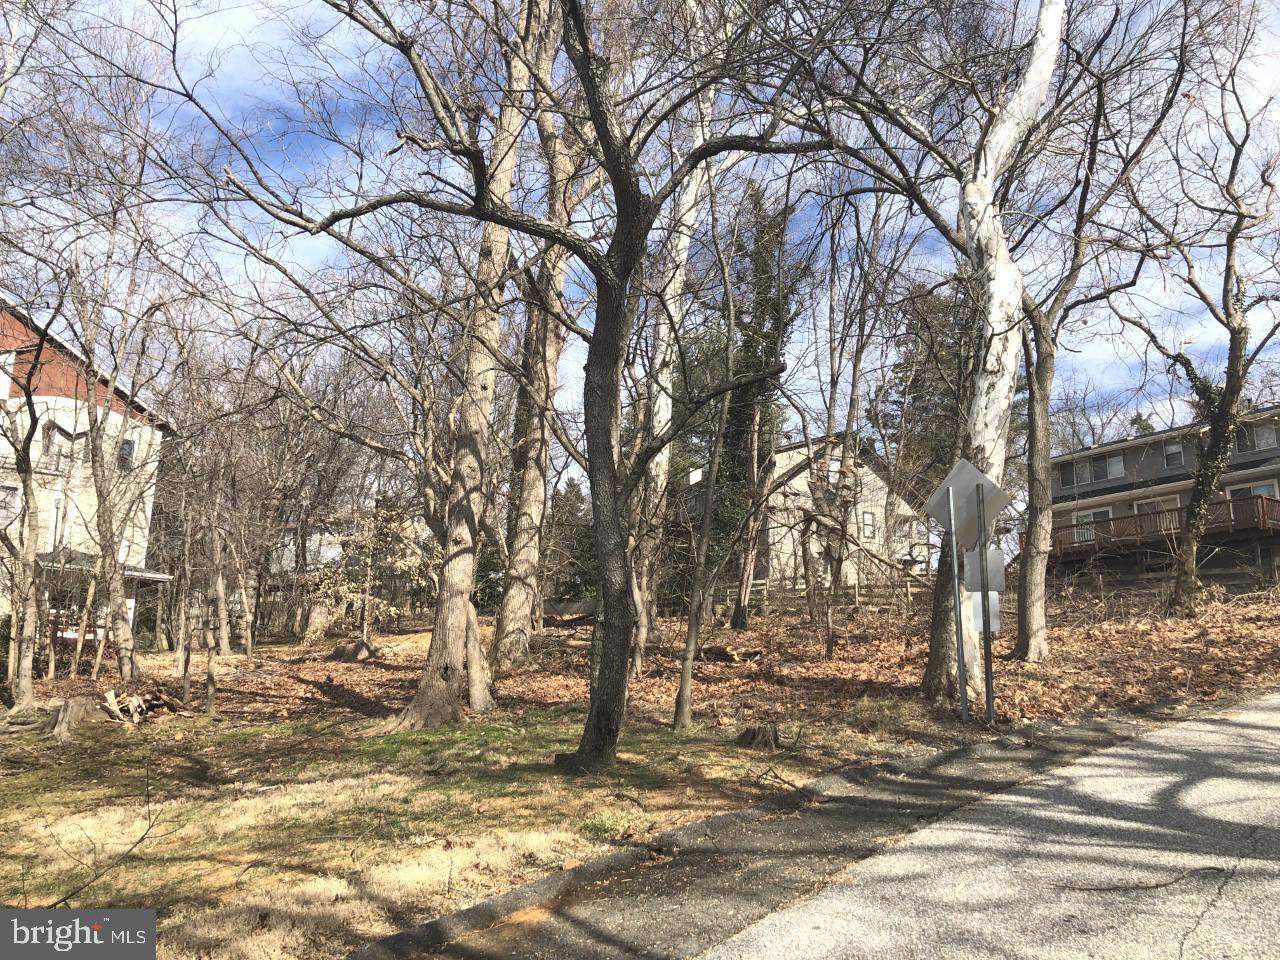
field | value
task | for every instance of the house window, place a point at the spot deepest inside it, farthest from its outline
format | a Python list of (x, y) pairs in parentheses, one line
[(124, 458), (54, 453), (1094, 516), (1158, 515), (1263, 488), (1067, 473), (1091, 523), (868, 525), (8, 503), (1255, 436), (1107, 466), (1173, 454)]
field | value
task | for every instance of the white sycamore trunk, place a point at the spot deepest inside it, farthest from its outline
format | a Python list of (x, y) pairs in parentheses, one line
[(457, 660), (1000, 279)]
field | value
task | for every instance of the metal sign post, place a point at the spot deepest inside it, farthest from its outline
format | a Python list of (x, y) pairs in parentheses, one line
[(986, 606), (959, 605), (962, 504)]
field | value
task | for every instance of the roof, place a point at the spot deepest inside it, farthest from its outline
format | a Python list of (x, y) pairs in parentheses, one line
[(864, 454), (1258, 413), (7, 305), (67, 560)]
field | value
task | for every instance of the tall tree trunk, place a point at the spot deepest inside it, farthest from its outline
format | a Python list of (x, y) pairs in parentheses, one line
[(164, 637), (182, 591), (11, 660), (1221, 404), (300, 616), (100, 633), (121, 626), (940, 681), (210, 677), (697, 593), (181, 639), (219, 588), (650, 522), (643, 574), (810, 570), (185, 646), (602, 409), (27, 573), (86, 616), (1033, 640), (518, 617), (248, 608), (23, 687), (756, 488), (479, 674), (444, 679), (49, 627), (44, 639), (999, 282), (110, 527)]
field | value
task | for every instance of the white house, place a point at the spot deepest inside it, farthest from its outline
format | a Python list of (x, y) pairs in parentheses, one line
[(39, 373)]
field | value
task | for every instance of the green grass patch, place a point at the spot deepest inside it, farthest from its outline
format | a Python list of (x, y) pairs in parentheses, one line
[(314, 814)]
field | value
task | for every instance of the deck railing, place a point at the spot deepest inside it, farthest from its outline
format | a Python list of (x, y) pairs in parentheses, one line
[(1226, 516)]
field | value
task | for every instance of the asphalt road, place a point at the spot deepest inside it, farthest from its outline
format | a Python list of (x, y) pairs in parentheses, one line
[(1166, 846)]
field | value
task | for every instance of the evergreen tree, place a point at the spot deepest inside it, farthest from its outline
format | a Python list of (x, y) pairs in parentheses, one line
[(768, 273)]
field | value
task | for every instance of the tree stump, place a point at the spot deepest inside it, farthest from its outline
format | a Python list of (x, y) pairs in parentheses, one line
[(763, 737), (72, 712)]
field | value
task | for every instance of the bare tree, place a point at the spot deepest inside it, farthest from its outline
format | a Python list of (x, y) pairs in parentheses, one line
[(1115, 95), (917, 56), (564, 153), (622, 129), (1208, 205)]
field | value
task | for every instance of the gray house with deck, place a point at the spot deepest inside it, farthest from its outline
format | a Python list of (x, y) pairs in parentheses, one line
[(1120, 507)]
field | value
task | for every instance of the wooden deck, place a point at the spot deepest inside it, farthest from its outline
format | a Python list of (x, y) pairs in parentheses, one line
[(1255, 514)]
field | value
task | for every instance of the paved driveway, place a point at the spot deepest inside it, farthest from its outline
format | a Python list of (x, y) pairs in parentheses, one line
[(1167, 846)]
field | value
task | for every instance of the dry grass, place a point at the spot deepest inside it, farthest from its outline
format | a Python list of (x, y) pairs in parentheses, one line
[(302, 840), (286, 831)]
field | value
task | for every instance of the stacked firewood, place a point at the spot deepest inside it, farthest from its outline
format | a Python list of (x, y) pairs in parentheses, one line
[(138, 706)]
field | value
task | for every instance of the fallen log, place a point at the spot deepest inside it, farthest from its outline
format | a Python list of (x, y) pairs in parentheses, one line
[(354, 652), (725, 654)]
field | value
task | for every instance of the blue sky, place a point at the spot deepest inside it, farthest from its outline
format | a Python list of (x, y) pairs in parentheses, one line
[(245, 44)]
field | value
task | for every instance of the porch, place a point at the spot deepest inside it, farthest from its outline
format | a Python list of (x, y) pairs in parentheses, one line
[(1251, 514)]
